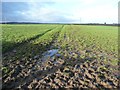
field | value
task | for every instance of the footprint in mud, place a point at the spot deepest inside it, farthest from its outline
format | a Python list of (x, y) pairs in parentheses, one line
[(65, 36), (52, 73), (77, 78)]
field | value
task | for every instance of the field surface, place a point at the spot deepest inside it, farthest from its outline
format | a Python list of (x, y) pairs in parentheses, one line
[(59, 56)]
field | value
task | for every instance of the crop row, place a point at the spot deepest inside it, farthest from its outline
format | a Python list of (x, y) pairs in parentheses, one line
[(84, 58), (36, 46), (16, 34), (70, 38), (101, 40)]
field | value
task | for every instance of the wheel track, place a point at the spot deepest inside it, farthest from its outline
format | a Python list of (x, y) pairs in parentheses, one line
[(46, 71), (42, 74), (29, 78), (28, 40)]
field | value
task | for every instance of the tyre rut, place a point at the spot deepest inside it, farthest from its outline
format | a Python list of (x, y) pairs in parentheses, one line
[(21, 81)]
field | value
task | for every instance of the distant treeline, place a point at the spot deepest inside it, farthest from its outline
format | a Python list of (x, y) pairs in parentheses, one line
[(114, 24), (99, 24)]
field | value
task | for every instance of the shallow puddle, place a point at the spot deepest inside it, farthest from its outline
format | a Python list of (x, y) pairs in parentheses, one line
[(50, 54)]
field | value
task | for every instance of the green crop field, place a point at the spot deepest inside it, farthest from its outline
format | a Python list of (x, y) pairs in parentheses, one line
[(20, 33), (35, 55)]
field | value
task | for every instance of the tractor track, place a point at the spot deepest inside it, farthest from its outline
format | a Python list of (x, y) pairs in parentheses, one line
[(16, 75), (66, 73), (28, 40)]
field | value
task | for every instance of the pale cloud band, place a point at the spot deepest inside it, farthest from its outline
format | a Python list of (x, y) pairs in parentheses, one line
[(69, 11), (47, 0)]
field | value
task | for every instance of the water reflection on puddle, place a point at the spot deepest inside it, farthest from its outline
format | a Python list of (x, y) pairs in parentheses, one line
[(50, 54)]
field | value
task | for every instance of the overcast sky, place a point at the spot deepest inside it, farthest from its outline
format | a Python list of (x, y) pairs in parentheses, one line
[(60, 11)]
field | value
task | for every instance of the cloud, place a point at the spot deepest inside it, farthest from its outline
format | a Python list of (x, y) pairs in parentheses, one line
[(10, 9), (41, 12), (79, 11), (97, 14)]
